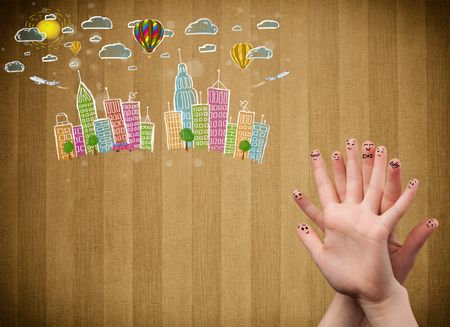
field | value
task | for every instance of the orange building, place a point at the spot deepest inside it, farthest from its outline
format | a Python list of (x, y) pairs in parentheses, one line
[(174, 125), (63, 133), (244, 128)]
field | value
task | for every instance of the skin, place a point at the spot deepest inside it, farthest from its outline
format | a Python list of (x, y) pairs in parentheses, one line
[(357, 219)]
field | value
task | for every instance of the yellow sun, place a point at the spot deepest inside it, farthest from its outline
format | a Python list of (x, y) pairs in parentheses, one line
[(51, 28)]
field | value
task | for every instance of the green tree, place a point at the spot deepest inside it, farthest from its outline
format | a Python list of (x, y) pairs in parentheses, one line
[(68, 148), (93, 141), (244, 146), (187, 135)]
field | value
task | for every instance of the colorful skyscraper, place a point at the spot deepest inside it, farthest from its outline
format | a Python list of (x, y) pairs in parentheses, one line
[(230, 139), (185, 95), (147, 134), (113, 111), (63, 134), (104, 133), (173, 127), (260, 134), (218, 100), (244, 128), (200, 121), (87, 112), (132, 115), (80, 148)]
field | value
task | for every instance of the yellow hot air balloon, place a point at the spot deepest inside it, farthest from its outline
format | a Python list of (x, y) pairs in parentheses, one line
[(239, 54), (75, 47)]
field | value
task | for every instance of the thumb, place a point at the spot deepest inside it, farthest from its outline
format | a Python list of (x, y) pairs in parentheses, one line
[(310, 239), (418, 236)]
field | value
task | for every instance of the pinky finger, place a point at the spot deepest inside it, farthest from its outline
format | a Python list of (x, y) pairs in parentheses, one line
[(417, 237), (313, 212)]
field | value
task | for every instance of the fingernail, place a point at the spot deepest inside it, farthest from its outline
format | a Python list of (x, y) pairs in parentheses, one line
[(351, 144), (315, 155), (413, 183)]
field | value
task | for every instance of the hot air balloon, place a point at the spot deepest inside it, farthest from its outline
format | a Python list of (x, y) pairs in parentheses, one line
[(239, 54), (75, 47), (149, 33)]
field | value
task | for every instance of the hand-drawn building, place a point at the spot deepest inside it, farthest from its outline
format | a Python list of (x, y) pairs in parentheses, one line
[(63, 133), (104, 133), (174, 126), (132, 116), (78, 137), (147, 134), (113, 111), (219, 101), (230, 139), (258, 142), (87, 112), (200, 119), (244, 128)]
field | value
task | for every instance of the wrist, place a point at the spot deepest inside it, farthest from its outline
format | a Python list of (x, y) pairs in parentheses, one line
[(343, 311), (394, 310)]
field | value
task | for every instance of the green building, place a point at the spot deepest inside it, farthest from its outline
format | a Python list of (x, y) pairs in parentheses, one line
[(230, 140), (200, 118), (87, 112), (147, 133)]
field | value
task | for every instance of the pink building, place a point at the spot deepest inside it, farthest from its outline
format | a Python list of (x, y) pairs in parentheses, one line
[(132, 117), (218, 100), (113, 111), (80, 148)]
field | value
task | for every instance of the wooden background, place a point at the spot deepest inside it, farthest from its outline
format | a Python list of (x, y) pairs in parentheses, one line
[(176, 239)]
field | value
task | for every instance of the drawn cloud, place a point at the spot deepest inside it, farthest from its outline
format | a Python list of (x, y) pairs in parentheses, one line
[(97, 23), (67, 44), (134, 22), (27, 53), (50, 17), (95, 39), (236, 28), (73, 64), (168, 33), (131, 68), (207, 48), (201, 26), (14, 67), (260, 52), (30, 35), (49, 58), (114, 51), (165, 55), (67, 30), (268, 25)]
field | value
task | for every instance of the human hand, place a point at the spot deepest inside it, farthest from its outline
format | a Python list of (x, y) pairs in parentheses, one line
[(354, 256)]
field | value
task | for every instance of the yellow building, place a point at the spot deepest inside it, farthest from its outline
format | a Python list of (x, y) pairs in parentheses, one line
[(63, 133), (174, 125), (244, 128)]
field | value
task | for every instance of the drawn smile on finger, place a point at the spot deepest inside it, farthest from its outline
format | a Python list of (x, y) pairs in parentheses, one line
[(315, 155), (412, 183), (431, 223), (298, 195), (380, 151), (304, 228), (351, 143)]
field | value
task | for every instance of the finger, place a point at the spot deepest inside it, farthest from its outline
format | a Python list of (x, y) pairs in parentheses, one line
[(368, 153), (310, 239), (309, 208), (339, 174), (354, 191), (393, 187), (417, 238), (375, 190), (327, 193), (391, 217)]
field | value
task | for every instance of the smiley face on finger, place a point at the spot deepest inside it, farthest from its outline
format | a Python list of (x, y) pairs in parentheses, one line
[(413, 182), (315, 155), (298, 195), (431, 223), (351, 144), (336, 155), (368, 146), (304, 228), (380, 151)]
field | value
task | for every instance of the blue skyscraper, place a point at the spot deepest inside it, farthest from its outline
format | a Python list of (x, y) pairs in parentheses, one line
[(260, 132), (185, 95), (104, 133)]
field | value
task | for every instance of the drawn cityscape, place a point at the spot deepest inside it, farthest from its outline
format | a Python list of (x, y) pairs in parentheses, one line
[(123, 129)]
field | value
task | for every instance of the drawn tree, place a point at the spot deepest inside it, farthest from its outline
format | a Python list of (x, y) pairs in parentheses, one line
[(187, 135), (68, 148), (93, 141), (244, 146)]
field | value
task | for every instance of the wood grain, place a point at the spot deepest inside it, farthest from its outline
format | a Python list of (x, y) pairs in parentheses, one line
[(175, 238)]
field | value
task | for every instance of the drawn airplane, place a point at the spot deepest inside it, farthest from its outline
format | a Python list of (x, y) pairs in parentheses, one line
[(279, 76), (40, 81)]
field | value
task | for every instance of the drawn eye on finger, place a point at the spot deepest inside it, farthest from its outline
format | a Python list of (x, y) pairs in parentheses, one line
[(304, 228), (368, 146), (431, 223), (298, 195), (336, 155), (351, 144), (413, 182), (315, 155), (380, 151)]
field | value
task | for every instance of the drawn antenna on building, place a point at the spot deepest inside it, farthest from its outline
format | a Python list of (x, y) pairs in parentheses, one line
[(262, 119), (218, 84), (107, 94), (200, 98), (179, 55), (244, 104), (147, 117)]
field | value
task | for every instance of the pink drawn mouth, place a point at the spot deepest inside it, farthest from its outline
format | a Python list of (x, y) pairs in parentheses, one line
[(349, 148)]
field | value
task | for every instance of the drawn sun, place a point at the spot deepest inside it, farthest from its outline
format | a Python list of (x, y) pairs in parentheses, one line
[(52, 28)]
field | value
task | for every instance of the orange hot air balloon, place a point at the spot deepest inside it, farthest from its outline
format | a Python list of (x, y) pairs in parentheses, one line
[(239, 54), (75, 47)]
